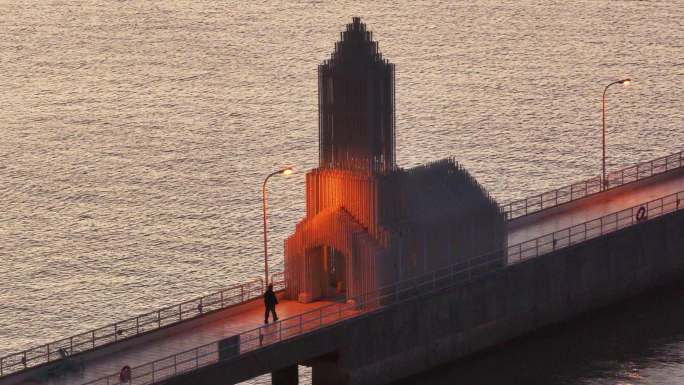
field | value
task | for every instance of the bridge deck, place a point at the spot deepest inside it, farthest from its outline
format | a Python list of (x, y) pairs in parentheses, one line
[(520, 230), (586, 209), (175, 343)]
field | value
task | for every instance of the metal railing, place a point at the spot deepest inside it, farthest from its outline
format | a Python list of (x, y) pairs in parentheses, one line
[(595, 228), (300, 324), (644, 170), (328, 315), (131, 327), (278, 281), (591, 186)]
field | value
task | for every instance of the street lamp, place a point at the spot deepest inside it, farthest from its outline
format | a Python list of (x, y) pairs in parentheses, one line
[(626, 82), (284, 171)]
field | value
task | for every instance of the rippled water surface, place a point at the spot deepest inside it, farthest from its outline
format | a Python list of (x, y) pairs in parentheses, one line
[(135, 134)]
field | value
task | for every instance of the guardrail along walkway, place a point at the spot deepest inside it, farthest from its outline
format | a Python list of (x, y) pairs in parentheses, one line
[(595, 208), (565, 194), (463, 272)]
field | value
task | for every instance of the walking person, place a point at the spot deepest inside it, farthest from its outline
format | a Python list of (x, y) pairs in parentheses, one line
[(270, 301)]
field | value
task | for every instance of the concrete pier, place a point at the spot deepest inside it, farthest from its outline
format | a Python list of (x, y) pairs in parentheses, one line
[(397, 341)]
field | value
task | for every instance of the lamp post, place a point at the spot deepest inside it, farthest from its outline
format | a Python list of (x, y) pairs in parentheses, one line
[(284, 171), (604, 182)]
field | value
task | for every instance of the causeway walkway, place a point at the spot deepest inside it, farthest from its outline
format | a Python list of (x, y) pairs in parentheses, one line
[(244, 318), (227, 326), (573, 213)]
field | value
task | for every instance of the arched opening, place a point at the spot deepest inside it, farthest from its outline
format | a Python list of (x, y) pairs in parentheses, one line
[(328, 269)]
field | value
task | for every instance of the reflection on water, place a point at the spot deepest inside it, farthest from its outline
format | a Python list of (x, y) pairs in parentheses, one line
[(639, 341)]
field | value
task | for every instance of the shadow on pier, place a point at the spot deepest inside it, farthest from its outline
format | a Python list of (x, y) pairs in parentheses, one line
[(621, 344)]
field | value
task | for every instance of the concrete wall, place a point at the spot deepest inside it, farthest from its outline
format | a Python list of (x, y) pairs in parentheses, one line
[(398, 341)]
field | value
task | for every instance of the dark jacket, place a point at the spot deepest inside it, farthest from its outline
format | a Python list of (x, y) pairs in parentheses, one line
[(270, 299)]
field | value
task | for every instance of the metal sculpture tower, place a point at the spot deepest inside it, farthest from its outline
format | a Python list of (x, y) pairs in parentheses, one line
[(369, 223), (356, 104)]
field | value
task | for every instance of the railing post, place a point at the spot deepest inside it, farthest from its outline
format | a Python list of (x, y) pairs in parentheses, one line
[(222, 298), (196, 358), (158, 318), (175, 368), (180, 312), (137, 325), (536, 247), (242, 293), (556, 194), (71, 345), (93, 335), (48, 352)]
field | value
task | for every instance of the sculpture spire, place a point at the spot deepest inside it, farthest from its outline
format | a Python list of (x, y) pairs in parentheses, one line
[(356, 104)]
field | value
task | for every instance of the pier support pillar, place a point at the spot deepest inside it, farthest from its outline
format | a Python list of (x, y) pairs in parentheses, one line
[(327, 371), (286, 376)]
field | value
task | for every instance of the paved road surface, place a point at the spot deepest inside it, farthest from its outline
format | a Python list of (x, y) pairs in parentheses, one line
[(594, 208), (185, 340), (519, 231)]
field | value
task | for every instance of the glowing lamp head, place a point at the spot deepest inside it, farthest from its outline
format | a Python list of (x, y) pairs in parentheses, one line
[(287, 171), (626, 82)]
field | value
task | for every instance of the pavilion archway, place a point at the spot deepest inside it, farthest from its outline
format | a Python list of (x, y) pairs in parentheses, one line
[(330, 248)]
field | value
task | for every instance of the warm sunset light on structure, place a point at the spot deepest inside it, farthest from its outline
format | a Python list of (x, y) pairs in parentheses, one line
[(369, 223)]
